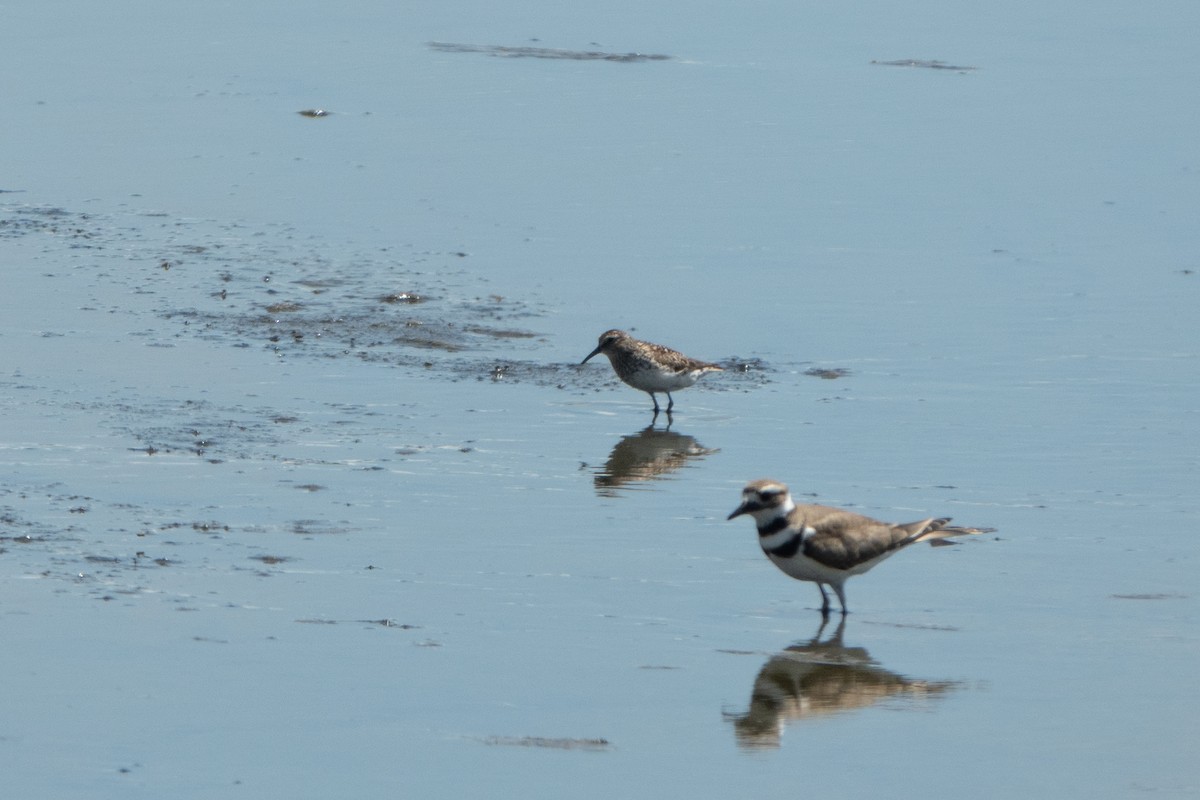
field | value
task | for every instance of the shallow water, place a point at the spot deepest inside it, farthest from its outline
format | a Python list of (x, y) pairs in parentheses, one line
[(305, 494)]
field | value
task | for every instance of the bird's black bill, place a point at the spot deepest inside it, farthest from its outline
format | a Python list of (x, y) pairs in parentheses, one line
[(748, 507), (589, 355)]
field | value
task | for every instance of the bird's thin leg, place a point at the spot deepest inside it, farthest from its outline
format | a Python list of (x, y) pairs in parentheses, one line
[(670, 402), (655, 399), (824, 600), (841, 593)]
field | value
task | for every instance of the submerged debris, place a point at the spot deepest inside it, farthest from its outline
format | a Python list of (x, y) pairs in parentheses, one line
[(546, 52), (402, 297), (924, 64), (554, 743), (826, 373)]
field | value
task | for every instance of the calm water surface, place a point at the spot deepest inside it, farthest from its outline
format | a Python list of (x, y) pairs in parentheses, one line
[(303, 493)]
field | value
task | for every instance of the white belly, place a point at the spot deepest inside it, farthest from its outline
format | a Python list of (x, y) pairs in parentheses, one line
[(803, 568), (662, 380)]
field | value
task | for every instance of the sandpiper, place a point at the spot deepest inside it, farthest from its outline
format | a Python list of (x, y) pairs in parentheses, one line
[(650, 367), (827, 545)]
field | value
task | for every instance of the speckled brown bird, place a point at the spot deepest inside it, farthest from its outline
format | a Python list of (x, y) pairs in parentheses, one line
[(650, 367)]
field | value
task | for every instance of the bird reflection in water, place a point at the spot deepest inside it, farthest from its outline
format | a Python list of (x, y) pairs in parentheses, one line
[(650, 454), (818, 679)]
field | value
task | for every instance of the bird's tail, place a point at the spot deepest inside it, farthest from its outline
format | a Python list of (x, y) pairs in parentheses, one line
[(931, 530)]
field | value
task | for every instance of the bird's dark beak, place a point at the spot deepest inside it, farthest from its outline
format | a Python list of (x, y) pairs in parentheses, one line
[(589, 355), (744, 508)]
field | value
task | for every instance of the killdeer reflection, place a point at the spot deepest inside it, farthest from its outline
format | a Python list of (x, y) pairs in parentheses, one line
[(827, 545), (650, 367), (818, 678)]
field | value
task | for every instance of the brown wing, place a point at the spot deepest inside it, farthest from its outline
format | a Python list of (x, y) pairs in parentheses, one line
[(844, 539), (676, 360)]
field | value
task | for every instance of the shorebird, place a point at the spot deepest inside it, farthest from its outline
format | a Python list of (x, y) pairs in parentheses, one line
[(827, 545), (650, 367)]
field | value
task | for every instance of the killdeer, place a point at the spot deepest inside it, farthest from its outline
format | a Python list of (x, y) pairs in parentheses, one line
[(650, 367), (827, 545)]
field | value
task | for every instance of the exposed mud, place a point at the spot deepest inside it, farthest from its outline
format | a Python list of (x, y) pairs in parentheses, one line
[(425, 311)]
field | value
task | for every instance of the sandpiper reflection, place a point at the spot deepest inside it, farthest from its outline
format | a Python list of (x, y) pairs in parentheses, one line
[(817, 679), (647, 455)]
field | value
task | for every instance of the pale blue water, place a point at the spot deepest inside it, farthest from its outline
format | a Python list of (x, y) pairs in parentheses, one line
[(202, 528)]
